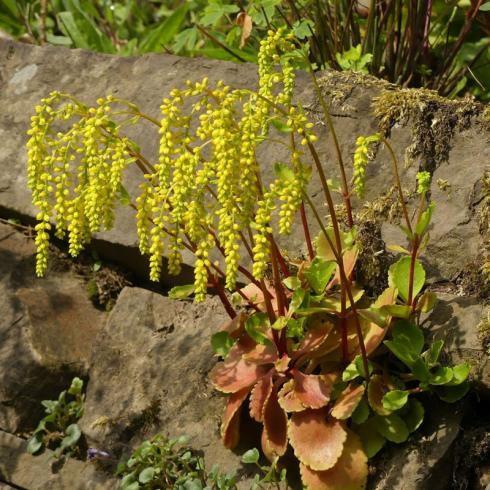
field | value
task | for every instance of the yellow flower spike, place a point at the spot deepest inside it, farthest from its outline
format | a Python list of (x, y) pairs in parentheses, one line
[(361, 158)]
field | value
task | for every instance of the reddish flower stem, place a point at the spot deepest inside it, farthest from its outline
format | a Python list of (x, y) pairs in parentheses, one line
[(306, 231), (280, 259), (413, 259), (222, 296)]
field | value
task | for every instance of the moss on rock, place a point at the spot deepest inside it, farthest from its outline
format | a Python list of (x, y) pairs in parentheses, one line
[(434, 120)]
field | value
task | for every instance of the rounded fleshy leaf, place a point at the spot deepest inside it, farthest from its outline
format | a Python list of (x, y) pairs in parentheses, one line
[(230, 428), (266, 447), (275, 424), (256, 295), (236, 326), (349, 260), (288, 398), (331, 347), (374, 334), (387, 297), (313, 390), (376, 392), (373, 337), (235, 373), (348, 401), (315, 336), (372, 440), (317, 441), (260, 392), (350, 472), (262, 354)]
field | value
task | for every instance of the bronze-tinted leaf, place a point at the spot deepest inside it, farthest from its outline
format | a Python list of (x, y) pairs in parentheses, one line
[(266, 447), (256, 295), (234, 373), (230, 428), (350, 472), (313, 390), (374, 334), (262, 354), (373, 337), (349, 259), (288, 398), (260, 392), (275, 424), (236, 326), (318, 332), (317, 441), (376, 391), (348, 401)]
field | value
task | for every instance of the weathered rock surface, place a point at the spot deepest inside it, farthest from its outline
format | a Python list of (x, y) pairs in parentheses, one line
[(148, 374), (47, 331), (455, 320), (25, 471), (148, 364), (423, 462), (27, 74)]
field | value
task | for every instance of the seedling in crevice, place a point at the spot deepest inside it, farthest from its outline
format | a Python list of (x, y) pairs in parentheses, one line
[(58, 430), (327, 369)]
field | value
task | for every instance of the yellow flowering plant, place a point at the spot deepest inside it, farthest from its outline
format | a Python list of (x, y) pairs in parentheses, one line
[(305, 342)]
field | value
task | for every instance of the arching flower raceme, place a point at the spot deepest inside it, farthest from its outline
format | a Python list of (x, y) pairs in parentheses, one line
[(74, 176), (204, 191)]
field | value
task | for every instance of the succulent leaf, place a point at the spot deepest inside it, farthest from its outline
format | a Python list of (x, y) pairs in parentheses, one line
[(317, 440), (348, 401), (349, 473), (260, 392), (230, 429), (275, 424)]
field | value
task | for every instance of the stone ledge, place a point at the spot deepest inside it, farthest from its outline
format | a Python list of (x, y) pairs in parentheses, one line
[(19, 468)]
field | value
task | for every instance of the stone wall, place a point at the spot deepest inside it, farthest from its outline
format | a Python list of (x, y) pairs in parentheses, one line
[(147, 361)]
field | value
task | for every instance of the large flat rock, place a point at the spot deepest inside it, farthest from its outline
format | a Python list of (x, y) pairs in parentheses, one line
[(25, 471), (47, 331), (28, 73), (148, 375)]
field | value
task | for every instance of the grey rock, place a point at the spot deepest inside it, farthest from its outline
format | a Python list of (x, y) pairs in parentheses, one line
[(422, 462), (23, 470), (148, 375), (455, 320), (27, 75), (47, 330)]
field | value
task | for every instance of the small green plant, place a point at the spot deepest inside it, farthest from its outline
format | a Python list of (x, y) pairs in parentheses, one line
[(328, 369), (170, 463), (58, 430), (269, 474), (354, 60)]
